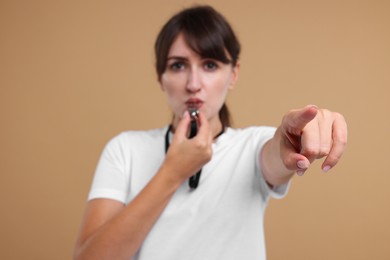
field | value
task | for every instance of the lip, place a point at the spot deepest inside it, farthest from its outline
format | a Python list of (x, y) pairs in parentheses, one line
[(194, 103)]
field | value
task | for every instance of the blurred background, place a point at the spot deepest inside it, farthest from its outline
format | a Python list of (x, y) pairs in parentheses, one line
[(75, 73)]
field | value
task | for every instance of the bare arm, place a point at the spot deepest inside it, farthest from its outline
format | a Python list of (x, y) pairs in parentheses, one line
[(111, 230), (304, 135)]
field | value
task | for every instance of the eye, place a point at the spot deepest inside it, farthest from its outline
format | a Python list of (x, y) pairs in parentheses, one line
[(178, 65), (210, 65)]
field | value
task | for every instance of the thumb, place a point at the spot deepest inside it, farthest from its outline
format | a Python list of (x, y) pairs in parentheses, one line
[(295, 120), (293, 161)]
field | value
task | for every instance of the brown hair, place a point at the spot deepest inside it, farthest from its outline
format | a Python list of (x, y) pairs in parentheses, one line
[(207, 33)]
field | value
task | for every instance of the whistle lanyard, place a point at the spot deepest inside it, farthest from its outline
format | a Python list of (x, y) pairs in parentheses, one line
[(193, 182)]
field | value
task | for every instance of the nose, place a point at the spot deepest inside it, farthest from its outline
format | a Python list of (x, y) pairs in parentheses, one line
[(193, 81)]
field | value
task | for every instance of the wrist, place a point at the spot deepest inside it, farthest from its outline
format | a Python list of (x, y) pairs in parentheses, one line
[(170, 176), (273, 163)]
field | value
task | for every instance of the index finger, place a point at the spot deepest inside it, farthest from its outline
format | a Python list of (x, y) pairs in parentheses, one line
[(295, 120), (182, 127)]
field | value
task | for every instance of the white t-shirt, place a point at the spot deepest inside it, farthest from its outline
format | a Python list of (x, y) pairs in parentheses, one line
[(221, 219)]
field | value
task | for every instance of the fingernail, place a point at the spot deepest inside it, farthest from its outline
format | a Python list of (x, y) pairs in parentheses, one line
[(300, 172), (326, 168), (302, 164)]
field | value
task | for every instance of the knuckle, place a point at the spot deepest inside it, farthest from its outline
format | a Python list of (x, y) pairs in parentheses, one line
[(333, 160), (325, 113), (310, 151), (284, 122), (324, 151), (204, 149), (341, 140), (338, 116), (289, 112), (287, 116), (201, 145), (208, 154)]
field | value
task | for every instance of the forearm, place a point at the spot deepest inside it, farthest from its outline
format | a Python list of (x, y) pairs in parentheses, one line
[(272, 165), (121, 236)]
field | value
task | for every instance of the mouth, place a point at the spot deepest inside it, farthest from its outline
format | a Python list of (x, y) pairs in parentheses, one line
[(194, 103)]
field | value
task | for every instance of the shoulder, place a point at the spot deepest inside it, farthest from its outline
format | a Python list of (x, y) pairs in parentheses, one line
[(134, 135), (243, 138), (135, 138)]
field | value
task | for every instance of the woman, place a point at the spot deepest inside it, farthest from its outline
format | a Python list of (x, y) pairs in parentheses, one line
[(140, 205)]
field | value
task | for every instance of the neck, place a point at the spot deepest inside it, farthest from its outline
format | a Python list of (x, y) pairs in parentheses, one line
[(216, 129)]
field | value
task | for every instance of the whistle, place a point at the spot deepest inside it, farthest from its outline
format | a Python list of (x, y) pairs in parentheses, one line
[(194, 122)]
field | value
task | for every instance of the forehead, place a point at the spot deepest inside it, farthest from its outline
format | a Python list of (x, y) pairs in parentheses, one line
[(181, 48)]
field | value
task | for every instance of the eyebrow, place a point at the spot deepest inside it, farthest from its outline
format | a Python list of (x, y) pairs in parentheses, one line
[(177, 58)]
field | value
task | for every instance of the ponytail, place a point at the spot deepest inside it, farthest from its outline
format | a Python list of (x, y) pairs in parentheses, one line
[(224, 116)]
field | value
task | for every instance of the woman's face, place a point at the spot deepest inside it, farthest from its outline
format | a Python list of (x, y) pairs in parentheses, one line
[(191, 81)]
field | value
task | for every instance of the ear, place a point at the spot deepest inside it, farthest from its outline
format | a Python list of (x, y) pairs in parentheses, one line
[(235, 72)]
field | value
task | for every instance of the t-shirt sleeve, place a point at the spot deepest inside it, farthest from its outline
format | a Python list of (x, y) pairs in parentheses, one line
[(277, 192), (111, 176)]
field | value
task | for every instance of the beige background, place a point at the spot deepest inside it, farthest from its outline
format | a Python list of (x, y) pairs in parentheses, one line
[(75, 73)]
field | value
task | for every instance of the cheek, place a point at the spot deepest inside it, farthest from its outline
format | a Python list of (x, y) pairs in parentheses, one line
[(171, 83), (219, 86)]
